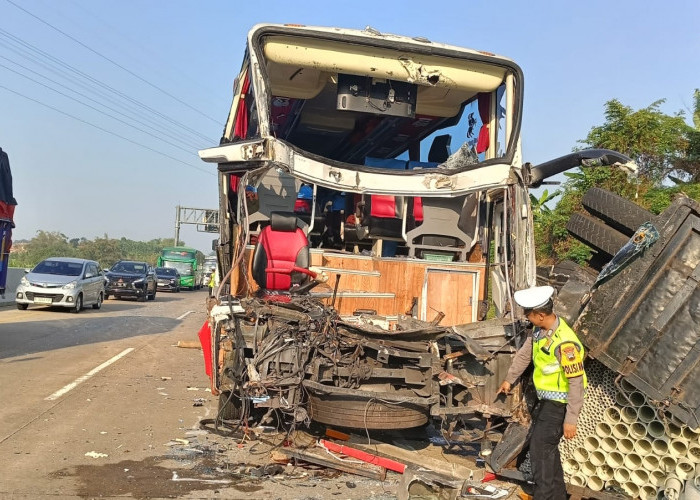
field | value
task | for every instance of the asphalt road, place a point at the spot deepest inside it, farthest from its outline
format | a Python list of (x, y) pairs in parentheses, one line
[(94, 404)]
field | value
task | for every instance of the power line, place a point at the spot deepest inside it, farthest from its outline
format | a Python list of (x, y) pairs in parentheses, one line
[(87, 105), (113, 62), (59, 62), (105, 130)]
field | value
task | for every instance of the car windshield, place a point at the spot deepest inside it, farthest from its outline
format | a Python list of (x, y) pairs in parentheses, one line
[(184, 268), (59, 267), (164, 271), (129, 267)]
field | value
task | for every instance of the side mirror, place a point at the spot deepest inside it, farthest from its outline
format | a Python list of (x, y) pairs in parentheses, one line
[(89, 275), (27, 270)]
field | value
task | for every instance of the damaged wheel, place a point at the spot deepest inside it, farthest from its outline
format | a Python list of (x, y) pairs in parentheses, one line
[(365, 414), (229, 406)]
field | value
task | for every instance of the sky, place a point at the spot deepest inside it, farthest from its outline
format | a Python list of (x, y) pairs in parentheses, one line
[(86, 170)]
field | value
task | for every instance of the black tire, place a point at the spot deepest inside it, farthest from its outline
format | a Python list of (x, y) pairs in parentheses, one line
[(98, 304), (229, 406), (144, 297), (177, 290), (617, 212), (153, 295), (596, 234), (362, 414), (106, 295), (78, 304), (22, 307)]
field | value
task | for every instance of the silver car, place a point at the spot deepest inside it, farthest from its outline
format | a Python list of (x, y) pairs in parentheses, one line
[(62, 282)]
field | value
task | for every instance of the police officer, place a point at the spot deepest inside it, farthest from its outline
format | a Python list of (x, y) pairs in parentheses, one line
[(560, 382)]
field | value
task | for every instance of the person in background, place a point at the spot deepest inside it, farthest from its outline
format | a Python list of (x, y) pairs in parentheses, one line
[(560, 381), (212, 283)]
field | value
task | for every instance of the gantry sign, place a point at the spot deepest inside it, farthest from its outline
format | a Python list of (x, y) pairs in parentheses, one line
[(206, 220)]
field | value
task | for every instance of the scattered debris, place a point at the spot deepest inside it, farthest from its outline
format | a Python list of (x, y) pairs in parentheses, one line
[(329, 460), (208, 481), (166, 378), (188, 344), (94, 454), (199, 402), (333, 434), (364, 456), (192, 388)]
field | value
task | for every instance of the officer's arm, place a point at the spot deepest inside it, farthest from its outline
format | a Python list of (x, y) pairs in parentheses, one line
[(521, 361)]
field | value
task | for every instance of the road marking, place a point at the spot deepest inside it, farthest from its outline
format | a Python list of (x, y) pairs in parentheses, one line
[(183, 316), (89, 374)]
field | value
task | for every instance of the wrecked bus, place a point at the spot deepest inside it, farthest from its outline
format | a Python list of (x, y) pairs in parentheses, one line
[(374, 223)]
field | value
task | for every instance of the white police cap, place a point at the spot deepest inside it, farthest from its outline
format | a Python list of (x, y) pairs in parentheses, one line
[(532, 298)]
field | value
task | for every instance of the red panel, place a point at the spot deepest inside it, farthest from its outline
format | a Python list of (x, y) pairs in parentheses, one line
[(418, 209), (205, 339), (383, 206)]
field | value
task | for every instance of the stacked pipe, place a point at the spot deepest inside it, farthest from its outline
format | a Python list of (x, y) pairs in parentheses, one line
[(625, 444)]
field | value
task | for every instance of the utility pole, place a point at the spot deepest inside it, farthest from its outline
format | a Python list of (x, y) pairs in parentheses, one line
[(177, 224)]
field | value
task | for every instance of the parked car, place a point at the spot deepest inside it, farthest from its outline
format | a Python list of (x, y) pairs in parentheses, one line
[(168, 279), (62, 282), (128, 278)]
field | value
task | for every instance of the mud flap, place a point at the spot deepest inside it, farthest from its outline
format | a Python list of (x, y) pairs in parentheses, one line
[(514, 438)]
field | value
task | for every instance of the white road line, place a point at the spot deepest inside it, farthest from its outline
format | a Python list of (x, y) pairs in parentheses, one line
[(89, 374), (183, 316)]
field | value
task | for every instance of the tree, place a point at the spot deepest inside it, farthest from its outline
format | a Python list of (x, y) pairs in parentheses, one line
[(660, 144)]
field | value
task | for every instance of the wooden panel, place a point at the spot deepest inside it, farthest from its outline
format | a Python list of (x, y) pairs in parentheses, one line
[(450, 292)]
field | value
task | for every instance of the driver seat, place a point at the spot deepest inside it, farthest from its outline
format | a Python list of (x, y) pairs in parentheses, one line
[(281, 258)]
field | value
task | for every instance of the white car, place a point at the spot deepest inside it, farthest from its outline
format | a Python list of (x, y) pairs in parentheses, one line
[(62, 282)]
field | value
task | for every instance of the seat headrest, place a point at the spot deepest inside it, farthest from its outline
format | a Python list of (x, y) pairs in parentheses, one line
[(286, 223)]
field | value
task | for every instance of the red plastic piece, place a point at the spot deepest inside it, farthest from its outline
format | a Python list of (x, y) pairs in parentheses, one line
[(365, 457)]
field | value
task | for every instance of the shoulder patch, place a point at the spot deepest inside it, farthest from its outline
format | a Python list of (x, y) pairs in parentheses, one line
[(571, 360)]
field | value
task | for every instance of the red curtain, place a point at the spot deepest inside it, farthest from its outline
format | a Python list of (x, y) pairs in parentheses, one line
[(240, 129), (482, 143)]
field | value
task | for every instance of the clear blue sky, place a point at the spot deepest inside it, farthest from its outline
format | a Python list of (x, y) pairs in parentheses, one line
[(84, 182)]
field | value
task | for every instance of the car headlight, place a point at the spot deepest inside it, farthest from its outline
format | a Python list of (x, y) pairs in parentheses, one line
[(138, 281), (71, 285), (24, 281)]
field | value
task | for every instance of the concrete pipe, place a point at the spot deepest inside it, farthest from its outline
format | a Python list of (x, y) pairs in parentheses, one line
[(639, 476), (642, 447), (633, 461), (625, 446), (621, 399), (659, 447), (685, 469), (570, 466), (591, 443), (674, 431), (628, 414), (631, 489), (638, 430), (603, 430), (637, 399), (615, 459), (580, 454), (621, 475), (667, 464), (627, 387), (656, 429), (612, 415), (672, 487), (678, 448), (621, 430), (595, 483), (694, 452), (657, 477), (650, 462), (605, 472), (608, 444), (647, 492), (578, 479), (690, 434), (597, 458), (646, 414), (587, 468)]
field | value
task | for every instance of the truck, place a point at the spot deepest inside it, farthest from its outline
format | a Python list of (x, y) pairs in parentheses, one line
[(368, 265), (7, 210), (187, 263)]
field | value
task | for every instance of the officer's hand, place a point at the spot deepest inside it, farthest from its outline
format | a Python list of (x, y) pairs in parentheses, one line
[(569, 431), (505, 388)]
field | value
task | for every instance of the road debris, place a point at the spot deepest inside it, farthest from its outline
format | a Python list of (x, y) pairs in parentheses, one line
[(94, 454), (188, 344)]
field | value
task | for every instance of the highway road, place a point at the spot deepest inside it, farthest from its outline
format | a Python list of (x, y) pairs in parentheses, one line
[(94, 403)]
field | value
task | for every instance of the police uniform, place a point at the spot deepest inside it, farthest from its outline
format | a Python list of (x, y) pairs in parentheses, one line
[(560, 381)]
